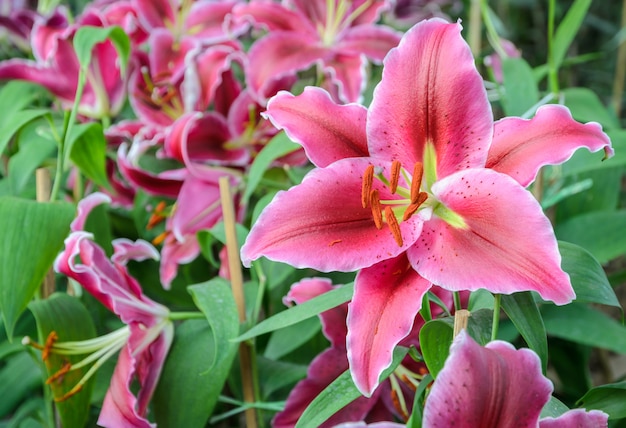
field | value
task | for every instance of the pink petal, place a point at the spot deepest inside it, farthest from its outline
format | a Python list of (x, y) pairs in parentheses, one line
[(374, 425), (327, 131), (487, 387), (333, 320), (209, 21), (347, 71), (85, 206), (387, 297), (280, 54), (577, 418), (374, 41), (62, 85), (430, 92), (321, 223), (508, 245), (124, 250), (175, 253), (520, 147), (273, 17), (119, 406), (155, 13)]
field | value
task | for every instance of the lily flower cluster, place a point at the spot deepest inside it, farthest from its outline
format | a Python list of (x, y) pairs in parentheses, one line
[(420, 193)]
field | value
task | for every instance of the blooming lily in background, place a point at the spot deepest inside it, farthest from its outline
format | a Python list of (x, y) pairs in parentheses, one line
[(422, 188), (56, 66), (496, 386), (145, 340), (338, 35)]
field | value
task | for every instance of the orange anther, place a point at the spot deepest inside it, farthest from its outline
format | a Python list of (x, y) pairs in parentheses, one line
[(60, 373), (376, 210), (69, 393), (412, 209), (336, 241), (160, 238), (157, 215), (395, 176), (416, 182), (366, 189), (393, 225), (47, 347), (397, 405)]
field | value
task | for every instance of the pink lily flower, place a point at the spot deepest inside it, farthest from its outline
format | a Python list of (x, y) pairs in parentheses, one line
[(420, 176), (338, 35), (145, 342), (56, 67), (496, 386)]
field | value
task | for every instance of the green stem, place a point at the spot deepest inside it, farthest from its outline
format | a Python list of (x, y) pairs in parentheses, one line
[(492, 34), (553, 77), (260, 293), (185, 315), (496, 316), (457, 301)]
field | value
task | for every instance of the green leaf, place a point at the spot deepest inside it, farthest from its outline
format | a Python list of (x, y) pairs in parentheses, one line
[(339, 394), (87, 37), (275, 375), (301, 312), (20, 377), (86, 148), (581, 324), (16, 95), (567, 30), (31, 235), (287, 339), (601, 233), (14, 122), (520, 88), (609, 398), (553, 409), (435, 340), (200, 359), (279, 146), (22, 165), (523, 312), (67, 316), (587, 107), (584, 161), (588, 278)]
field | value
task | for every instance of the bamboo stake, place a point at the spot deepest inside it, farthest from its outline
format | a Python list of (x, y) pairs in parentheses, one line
[(43, 186), (620, 70), (461, 318), (236, 280)]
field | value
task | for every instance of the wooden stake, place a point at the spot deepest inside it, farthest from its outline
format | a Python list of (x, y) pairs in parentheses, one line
[(461, 317), (42, 183), (236, 281)]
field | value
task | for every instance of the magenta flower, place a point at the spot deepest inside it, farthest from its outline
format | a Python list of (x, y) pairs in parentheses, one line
[(496, 386), (145, 341), (339, 35), (56, 67), (423, 188)]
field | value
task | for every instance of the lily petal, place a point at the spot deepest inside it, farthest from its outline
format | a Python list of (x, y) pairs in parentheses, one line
[(507, 246), (348, 72), (520, 147), (387, 297), (431, 92), (336, 223), (492, 386), (375, 41), (577, 418), (328, 131)]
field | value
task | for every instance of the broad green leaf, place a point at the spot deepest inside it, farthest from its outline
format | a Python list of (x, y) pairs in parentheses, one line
[(23, 164), (584, 325), (584, 161), (567, 29), (553, 409), (520, 87), (301, 312), (31, 235), (200, 359), (16, 95), (604, 194), (339, 394), (15, 121), (20, 378), (287, 339), (219, 233), (87, 37), (610, 398), (67, 316), (588, 278), (86, 148), (279, 146), (523, 312), (275, 375), (435, 340), (587, 107), (601, 233)]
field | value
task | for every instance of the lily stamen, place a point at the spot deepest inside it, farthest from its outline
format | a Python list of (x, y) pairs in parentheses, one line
[(366, 188), (376, 209), (47, 347), (392, 221), (395, 176), (416, 183)]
